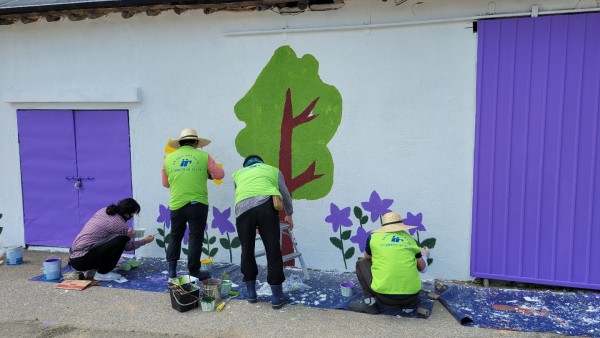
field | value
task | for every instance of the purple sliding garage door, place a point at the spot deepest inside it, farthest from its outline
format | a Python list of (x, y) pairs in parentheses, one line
[(536, 207), (72, 164)]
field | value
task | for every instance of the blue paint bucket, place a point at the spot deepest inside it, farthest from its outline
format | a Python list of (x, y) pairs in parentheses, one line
[(52, 268), (14, 255)]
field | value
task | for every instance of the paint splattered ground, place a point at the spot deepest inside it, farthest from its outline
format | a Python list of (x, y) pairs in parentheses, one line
[(322, 290), (569, 313)]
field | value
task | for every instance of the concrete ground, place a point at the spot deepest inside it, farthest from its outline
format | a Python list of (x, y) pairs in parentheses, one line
[(37, 309)]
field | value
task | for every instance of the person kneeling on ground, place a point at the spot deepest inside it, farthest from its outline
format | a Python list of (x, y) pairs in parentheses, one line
[(258, 189), (389, 272), (101, 242)]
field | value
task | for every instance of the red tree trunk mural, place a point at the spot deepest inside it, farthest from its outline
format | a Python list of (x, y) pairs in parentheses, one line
[(288, 123)]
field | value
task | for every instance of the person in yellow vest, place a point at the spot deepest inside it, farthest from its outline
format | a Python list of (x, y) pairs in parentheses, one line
[(389, 272), (255, 185), (185, 172)]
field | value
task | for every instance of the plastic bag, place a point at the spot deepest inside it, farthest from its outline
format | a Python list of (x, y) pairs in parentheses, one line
[(291, 283)]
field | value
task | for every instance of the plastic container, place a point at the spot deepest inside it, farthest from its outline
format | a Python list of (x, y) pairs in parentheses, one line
[(14, 255), (208, 303), (139, 232), (226, 286), (206, 264), (184, 297), (347, 289), (52, 268)]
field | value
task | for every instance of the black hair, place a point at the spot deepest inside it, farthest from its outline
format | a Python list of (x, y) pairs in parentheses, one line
[(187, 142), (252, 159), (127, 206)]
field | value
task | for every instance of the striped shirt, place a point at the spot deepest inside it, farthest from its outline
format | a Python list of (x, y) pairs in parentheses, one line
[(97, 229)]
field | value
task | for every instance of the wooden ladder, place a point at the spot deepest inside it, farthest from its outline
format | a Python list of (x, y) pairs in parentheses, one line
[(284, 229)]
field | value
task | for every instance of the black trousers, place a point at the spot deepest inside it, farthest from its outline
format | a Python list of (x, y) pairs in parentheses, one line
[(365, 277), (103, 258), (266, 219), (194, 216)]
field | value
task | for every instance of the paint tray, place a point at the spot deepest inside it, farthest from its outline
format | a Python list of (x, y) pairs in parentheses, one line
[(184, 297)]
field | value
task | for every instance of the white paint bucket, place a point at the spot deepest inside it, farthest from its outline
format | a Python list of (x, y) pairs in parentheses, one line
[(14, 255), (52, 268)]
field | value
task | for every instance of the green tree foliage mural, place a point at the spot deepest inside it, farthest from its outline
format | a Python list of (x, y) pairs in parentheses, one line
[(290, 116)]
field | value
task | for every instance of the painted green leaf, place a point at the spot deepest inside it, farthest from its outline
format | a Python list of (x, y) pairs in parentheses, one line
[(429, 242), (429, 261), (161, 232), (0, 215), (213, 252), (225, 243), (290, 116), (185, 251), (349, 253), (336, 241), (346, 234), (212, 240), (358, 212), (1, 228), (364, 219), (205, 251), (204, 240), (167, 238), (235, 242), (160, 243)]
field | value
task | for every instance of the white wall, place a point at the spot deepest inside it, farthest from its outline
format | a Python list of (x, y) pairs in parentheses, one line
[(408, 93)]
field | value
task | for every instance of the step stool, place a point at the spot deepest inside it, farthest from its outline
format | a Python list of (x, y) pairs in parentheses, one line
[(284, 229)]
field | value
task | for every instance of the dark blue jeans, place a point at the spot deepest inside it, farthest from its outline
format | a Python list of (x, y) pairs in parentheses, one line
[(266, 219), (194, 216)]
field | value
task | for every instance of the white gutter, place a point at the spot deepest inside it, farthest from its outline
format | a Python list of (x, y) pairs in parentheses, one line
[(533, 13)]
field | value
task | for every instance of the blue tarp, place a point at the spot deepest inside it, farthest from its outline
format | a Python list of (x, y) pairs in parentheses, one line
[(568, 313), (322, 290)]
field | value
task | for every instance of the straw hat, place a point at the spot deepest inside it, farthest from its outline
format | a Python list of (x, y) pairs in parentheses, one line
[(189, 134), (392, 222)]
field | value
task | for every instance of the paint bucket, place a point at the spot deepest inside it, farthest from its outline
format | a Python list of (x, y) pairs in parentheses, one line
[(52, 268), (207, 303), (226, 286), (14, 255), (206, 264), (212, 288), (346, 288)]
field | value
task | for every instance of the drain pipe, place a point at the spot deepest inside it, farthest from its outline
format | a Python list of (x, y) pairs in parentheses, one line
[(534, 13)]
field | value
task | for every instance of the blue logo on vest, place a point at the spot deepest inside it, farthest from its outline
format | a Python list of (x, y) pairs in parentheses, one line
[(395, 239), (185, 162)]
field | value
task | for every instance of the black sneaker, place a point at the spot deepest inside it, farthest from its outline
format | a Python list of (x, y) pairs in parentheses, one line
[(201, 275), (362, 307)]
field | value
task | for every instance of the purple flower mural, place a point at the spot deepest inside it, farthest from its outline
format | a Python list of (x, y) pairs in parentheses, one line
[(338, 217), (376, 206), (360, 238), (221, 222), (414, 220), (164, 215)]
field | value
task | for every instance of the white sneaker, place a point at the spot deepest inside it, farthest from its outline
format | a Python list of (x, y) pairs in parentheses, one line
[(109, 276)]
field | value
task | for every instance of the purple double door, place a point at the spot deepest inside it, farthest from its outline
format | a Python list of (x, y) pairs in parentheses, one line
[(536, 207), (73, 162)]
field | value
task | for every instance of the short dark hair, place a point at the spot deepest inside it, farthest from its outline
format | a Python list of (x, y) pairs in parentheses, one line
[(252, 159), (127, 206), (187, 142)]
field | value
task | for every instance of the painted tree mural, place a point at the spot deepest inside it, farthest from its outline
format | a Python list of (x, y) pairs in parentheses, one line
[(290, 116)]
